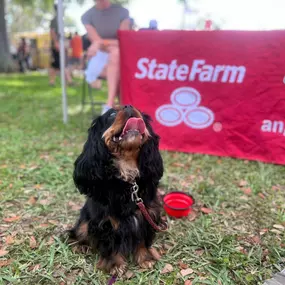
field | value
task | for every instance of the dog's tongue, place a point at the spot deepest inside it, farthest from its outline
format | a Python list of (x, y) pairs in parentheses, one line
[(134, 124)]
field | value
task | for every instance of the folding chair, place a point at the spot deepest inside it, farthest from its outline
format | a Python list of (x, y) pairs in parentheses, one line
[(89, 97), (89, 93)]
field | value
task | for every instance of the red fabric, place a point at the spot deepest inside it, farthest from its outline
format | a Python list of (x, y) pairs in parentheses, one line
[(76, 45), (240, 114)]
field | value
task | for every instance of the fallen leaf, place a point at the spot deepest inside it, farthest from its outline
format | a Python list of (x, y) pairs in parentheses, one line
[(185, 272), (33, 242), (34, 267), (32, 200), (242, 250), (279, 227), (182, 265), (199, 252), (242, 183), (12, 219), (33, 167), (44, 225), (50, 241), (38, 186), (261, 195), (3, 252), (9, 240), (161, 191), (247, 191), (5, 262), (53, 222), (44, 202), (74, 206), (219, 161), (177, 164), (256, 239), (4, 166), (188, 282), (206, 210), (22, 166), (167, 268), (192, 216), (129, 274), (263, 231), (211, 181), (10, 185)]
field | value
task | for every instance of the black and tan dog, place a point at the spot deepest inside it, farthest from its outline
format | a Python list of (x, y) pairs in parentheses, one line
[(121, 150)]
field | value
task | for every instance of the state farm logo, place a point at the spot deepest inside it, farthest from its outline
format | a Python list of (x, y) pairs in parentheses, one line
[(185, 108)]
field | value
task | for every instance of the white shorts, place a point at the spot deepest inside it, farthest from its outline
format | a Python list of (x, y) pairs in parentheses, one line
[(96, 66)]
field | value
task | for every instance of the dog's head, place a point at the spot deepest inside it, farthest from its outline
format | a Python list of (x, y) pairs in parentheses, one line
[(126, 132), (121, 139)]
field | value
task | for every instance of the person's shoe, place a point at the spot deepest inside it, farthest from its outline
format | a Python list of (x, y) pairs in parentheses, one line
[(105, 108)]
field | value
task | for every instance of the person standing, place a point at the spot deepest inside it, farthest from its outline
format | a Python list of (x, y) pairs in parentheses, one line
[(76, 46), (23, 55), (102, 23)]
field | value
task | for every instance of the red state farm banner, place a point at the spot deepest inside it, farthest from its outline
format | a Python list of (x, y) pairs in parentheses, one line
[(218, 92)]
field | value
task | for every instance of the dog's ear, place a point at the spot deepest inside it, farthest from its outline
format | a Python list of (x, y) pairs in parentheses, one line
[(89, 167), (150, 160)]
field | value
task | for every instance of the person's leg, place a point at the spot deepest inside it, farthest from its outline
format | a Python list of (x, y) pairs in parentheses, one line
[(52, 75), (54, 66), (113, 75), (68, 75)]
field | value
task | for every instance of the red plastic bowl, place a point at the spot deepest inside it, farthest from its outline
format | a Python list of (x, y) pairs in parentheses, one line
[(178, 204)]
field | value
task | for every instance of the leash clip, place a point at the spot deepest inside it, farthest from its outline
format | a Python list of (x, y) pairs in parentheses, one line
[(135, 190)]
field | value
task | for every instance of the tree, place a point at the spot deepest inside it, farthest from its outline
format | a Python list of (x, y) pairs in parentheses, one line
[(5, 63), (30, 6)]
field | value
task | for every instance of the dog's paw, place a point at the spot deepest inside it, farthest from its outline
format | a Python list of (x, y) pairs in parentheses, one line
[(119, 270), (102, 263), (115, 265), (147, 264), (154, 253), (146, 258)]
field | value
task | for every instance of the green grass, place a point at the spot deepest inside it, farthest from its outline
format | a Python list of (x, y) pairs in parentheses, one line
[(241, 242)]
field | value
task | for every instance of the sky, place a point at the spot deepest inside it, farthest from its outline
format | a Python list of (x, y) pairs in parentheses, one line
[(234, 14)]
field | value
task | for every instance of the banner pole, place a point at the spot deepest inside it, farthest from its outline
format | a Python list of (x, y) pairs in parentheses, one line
[(62, 59)]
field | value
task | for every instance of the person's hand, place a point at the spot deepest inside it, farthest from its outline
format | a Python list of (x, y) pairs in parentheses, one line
[(93, 49)]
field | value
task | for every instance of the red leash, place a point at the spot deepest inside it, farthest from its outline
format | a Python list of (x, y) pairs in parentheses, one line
[(135, 198)]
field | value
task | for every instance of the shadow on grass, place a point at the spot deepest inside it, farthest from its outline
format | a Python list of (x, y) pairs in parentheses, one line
[(28, 101)]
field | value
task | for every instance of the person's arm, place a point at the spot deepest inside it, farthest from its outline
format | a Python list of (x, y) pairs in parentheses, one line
[(93, 36), (125, 25)]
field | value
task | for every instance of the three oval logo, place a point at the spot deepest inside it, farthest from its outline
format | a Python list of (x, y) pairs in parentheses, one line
[(185, 108)]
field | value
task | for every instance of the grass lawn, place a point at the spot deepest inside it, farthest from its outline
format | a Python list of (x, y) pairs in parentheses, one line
[(237, 236)]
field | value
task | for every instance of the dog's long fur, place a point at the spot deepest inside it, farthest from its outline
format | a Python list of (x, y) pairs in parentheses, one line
[(105, 172)]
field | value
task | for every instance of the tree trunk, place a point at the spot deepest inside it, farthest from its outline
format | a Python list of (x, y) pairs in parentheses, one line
[(5, 57)]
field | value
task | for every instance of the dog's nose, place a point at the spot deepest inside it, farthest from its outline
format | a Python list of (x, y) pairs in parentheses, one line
[(129, 110)]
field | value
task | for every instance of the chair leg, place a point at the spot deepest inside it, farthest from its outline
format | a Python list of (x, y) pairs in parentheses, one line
[(91, 100), (83, 94)]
